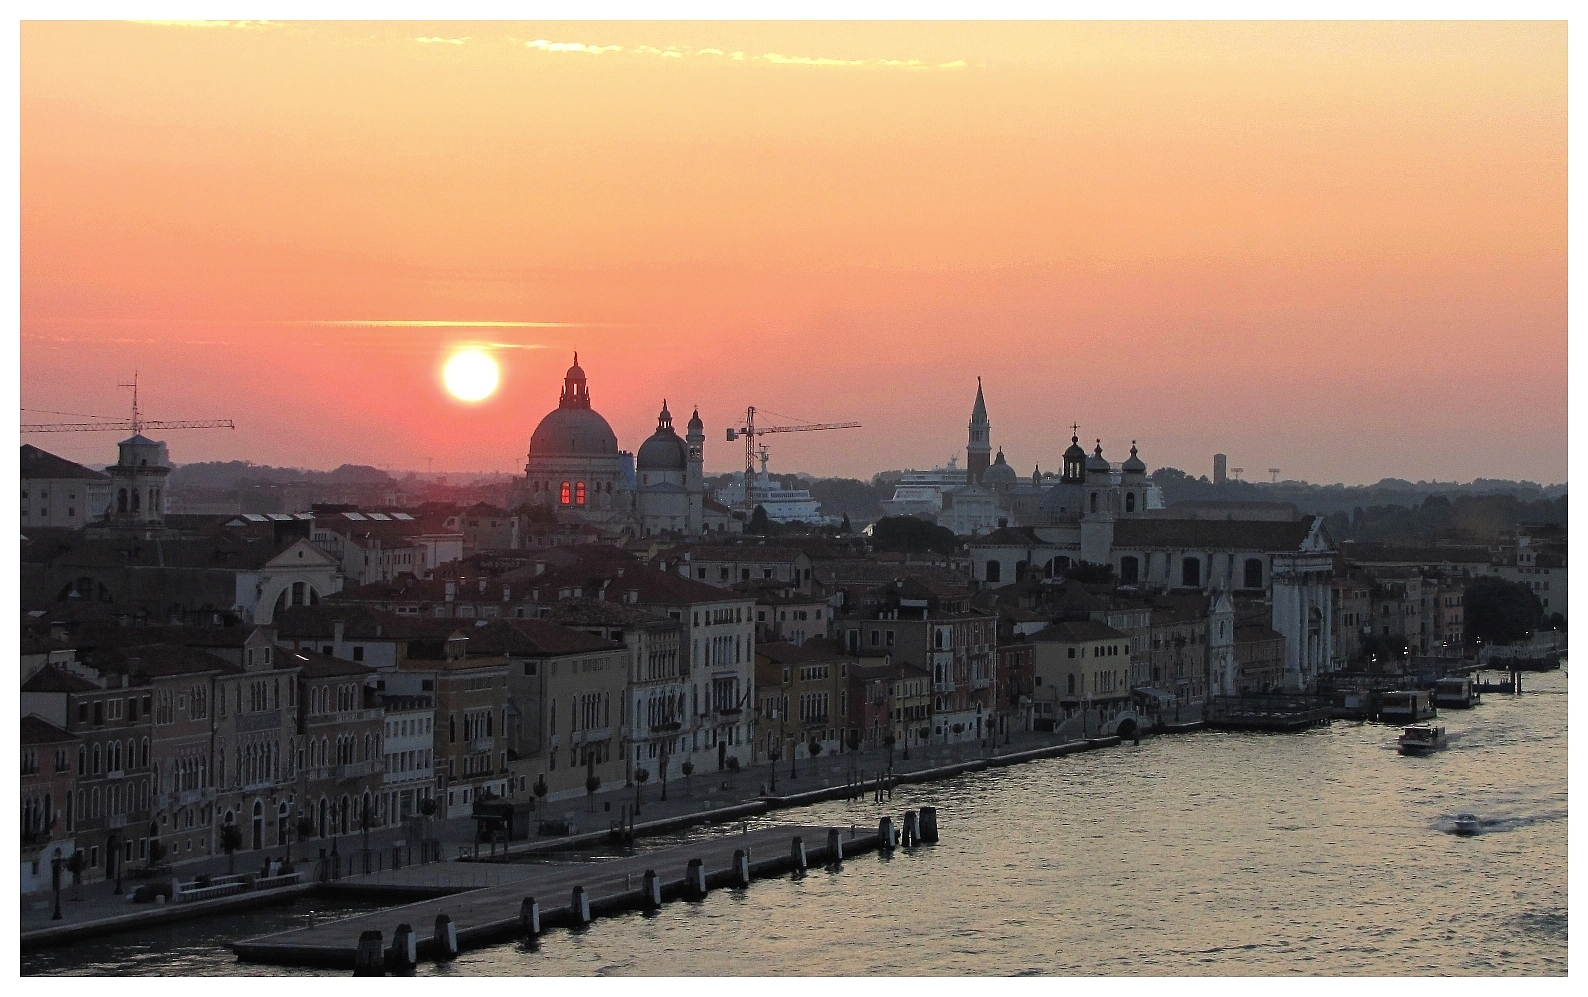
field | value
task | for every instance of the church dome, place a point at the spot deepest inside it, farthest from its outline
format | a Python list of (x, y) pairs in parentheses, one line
[(664, 451), (1134, 464), (573, 428), (999, 473), (1097, 463), (573, 432)]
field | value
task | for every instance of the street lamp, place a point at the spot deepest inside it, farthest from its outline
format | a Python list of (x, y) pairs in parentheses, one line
[(116, 837), (55, 881)]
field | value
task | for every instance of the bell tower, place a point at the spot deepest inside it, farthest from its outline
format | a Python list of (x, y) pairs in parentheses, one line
[(978, 451)]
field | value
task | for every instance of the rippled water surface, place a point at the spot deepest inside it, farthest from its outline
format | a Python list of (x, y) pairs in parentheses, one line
[(1229, 854)]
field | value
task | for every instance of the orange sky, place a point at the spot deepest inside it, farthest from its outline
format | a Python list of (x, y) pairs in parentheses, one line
[(1339, 250)]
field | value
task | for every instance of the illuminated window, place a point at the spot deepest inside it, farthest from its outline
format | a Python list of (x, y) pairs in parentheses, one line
[(580, 494), (565, 497)]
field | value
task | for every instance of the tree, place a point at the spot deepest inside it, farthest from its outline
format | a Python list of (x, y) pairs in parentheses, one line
[(854, 739), (591, 784), (540, 789), (759, 523), (907, 533), (1088, 573), (156, 852), (733, 771), (844, 527), (231, 840), (1499, 611), (688, 768)]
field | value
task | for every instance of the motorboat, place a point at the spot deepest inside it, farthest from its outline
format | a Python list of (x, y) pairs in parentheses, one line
[(1422, 739), (1467, 824)]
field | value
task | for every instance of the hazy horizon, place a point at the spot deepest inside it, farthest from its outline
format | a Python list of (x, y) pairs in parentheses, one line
[(1335, 249)]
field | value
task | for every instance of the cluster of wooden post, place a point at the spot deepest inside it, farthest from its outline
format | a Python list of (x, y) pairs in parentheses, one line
[(374, 959)]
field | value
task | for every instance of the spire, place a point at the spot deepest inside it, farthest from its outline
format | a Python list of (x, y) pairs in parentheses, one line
[(664, 420), (978, 414)]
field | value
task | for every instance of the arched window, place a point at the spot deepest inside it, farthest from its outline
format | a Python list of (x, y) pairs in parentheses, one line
[(1254, 573), (1191, 572), (567, 494), (994, 571), (1130, 501), (1129, 570), (1094, 501), (579, 495), (82, 760), (97, 758), (121, 500), (1071, 685)]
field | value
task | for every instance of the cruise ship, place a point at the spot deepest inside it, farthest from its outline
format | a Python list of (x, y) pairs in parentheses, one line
[(921, 492), (782, 505)]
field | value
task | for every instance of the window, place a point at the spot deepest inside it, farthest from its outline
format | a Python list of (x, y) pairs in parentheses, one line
[(566, 494), (1130, 501), (1129, 570), (994, 571), (1253, 573), (579, 494), (1191, 572)]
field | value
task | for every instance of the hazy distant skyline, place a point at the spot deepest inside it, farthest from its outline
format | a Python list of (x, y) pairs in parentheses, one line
[(1336, 249)]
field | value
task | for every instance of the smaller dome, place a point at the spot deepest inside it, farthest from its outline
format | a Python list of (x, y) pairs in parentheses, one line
[(999, 473), (1133, 465), (576, 372), (664, 451), (1074, 452), (696, 427), (1097, 463)]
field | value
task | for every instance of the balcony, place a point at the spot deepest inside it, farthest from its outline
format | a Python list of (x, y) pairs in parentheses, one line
[(352, 770), (591, 735), (480, 745), (942, 686), (666, 728), (814, 719), (981, 683), (250, 722), (730, 711)]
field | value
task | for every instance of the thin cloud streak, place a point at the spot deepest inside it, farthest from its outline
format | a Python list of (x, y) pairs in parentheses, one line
[(773, 58)]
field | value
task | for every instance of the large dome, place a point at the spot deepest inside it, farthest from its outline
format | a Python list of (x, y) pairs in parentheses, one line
[(573, 432), (663, 451)]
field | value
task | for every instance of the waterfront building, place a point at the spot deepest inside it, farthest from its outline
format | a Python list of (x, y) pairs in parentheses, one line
[(870, 701), (1260, 657), (657, 691), (1079, 666), (408, 774), (486, 527), (340, 730), (565, 706), (802, 697), (470, 692), (1289, 563), (910, 703), (1015, 683), (933, 626), (49, 783), (256, 741), (59, 493)]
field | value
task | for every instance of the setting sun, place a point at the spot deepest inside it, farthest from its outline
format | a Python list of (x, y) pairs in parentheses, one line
[(470, 375)]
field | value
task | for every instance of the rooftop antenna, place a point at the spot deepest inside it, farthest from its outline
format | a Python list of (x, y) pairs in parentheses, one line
[(137, 423), (1274, 473), (1236, 472)]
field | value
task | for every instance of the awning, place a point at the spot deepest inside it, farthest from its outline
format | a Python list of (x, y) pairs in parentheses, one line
[(1158, 694)]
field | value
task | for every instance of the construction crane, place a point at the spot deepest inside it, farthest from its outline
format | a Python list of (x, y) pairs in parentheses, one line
[(750, 431), (136, 424)]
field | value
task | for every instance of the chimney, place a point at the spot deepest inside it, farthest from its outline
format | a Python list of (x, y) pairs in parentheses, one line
[(451, 590), (337, 630)]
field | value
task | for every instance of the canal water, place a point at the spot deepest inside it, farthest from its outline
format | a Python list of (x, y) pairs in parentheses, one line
[(1209, 853)]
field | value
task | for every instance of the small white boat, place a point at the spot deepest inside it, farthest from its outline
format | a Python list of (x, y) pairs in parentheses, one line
[(1421, 739), (1467, 824)]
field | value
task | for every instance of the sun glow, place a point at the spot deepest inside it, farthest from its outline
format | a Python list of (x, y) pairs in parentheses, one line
[(471, 376)]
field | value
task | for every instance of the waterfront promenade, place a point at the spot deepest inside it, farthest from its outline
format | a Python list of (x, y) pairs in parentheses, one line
[(707, 797)]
